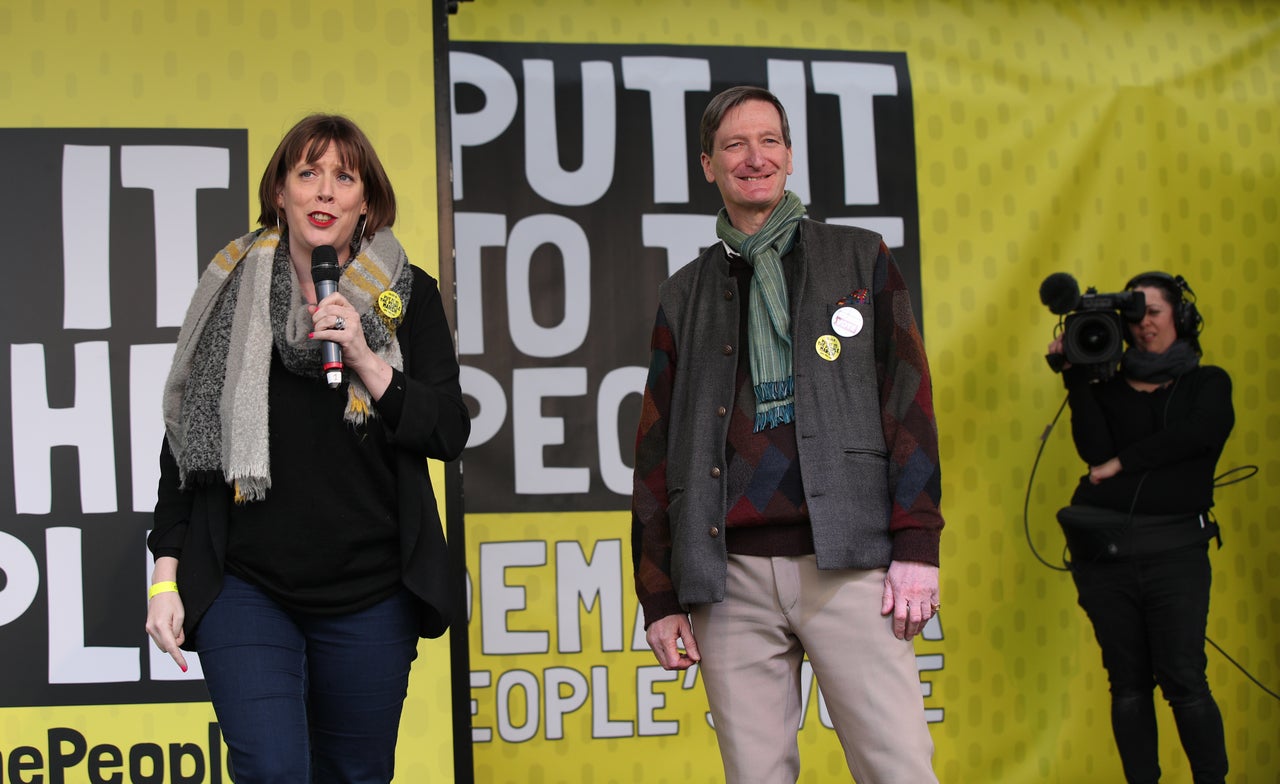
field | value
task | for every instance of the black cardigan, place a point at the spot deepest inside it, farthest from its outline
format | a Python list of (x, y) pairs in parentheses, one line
[(425, 417), (1168, 441)]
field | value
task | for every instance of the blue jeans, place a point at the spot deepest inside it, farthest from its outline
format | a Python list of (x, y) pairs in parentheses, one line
[(307, 698), (1149, 615)]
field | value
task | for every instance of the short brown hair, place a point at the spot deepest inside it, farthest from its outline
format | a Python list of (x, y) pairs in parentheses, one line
[(309, 140), (731, 99)]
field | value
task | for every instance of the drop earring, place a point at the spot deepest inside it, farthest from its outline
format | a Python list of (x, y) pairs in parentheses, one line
[(358, 237)]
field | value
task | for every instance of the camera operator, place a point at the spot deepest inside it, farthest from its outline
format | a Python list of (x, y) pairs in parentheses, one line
[(1151, 435)]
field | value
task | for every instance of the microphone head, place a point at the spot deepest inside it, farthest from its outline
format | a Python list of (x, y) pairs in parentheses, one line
[(1060, 293), (324, 264)]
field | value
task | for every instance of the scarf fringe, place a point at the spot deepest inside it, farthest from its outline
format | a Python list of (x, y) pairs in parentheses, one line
[(770, 391), (250, 488), (358, 408), (783, 414)]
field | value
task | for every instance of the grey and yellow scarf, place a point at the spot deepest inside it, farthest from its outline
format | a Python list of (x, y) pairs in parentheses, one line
[(247, 301)]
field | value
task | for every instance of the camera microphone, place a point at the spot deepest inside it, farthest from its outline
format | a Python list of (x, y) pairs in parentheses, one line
[(1060, 293)]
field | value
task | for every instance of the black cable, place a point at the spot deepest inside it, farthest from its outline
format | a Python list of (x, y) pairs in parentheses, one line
[(1252, 469), (1026, 503), (1026, 526), (1241, 668)]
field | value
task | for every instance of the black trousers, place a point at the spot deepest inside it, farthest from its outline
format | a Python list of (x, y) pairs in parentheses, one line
[(1149, 616)]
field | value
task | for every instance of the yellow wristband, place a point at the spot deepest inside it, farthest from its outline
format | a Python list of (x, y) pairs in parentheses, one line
[(164, 587)]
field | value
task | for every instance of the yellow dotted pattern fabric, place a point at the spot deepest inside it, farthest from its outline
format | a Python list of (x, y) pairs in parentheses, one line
[(1099, 139), (239, 65)]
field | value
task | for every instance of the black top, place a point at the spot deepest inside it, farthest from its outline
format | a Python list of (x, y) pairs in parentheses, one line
[(1168, 441), (422, 416), (325, 539)]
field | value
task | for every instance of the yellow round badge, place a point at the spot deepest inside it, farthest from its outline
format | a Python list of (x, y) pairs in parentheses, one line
[(828, 347), (390, 305)]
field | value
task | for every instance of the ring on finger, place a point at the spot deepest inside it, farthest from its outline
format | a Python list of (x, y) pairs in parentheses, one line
[(339, 323)]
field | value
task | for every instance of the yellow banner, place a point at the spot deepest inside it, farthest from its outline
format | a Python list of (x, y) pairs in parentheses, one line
[(1098, 139), (247, 67)]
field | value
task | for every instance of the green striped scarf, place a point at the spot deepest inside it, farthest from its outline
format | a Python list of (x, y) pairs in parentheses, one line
[(768, 316)]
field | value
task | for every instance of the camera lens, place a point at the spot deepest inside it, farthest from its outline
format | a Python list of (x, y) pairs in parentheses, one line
[(1092, 337)]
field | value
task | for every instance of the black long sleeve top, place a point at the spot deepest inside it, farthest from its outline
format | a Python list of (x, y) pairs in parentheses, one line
[(423, 416), (1168, 440)]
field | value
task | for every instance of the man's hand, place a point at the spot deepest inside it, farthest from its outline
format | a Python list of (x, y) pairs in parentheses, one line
[(662, 636), (911, 594)]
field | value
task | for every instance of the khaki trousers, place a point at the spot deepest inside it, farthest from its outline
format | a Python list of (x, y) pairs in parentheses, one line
[(775, 611)]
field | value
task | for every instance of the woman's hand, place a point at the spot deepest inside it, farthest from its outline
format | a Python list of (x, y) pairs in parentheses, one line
[(1056, 348), (335, 311), (165, 613), (1105, 471)]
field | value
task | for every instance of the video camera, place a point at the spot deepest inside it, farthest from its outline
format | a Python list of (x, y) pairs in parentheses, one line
[(1093, 330)]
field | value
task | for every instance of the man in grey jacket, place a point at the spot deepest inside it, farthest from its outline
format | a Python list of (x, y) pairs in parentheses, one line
[(786, 493)]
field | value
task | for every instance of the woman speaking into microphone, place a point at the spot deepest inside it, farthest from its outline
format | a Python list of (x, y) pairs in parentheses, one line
[(297, 542)]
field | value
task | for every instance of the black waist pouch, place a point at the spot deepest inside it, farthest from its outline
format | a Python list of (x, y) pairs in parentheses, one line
[(1097, 534)]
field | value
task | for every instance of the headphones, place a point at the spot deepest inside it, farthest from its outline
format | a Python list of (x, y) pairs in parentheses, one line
[(1186, 318)]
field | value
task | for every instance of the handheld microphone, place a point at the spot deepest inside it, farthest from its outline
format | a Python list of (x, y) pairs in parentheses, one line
[(1060, 293), (324, 274)]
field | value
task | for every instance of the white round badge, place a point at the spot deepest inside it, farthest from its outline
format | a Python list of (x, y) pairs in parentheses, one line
[(846, 322)]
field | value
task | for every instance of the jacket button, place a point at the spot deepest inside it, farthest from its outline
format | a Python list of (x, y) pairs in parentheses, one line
[(728, 294), (715, 472), (727, 349), (715, 531), (721, 411)]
